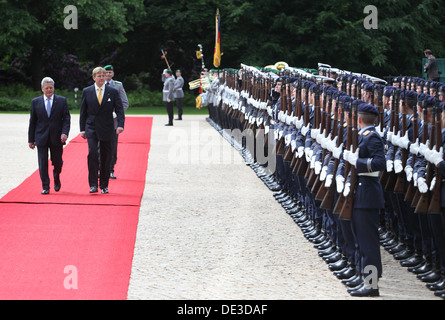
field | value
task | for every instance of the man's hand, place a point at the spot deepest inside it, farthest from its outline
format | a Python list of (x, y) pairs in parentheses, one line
[(83, 135), (32, 145), (119, 130), (63, 138)]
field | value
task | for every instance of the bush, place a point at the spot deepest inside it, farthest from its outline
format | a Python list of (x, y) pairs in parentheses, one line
[(18, 98)]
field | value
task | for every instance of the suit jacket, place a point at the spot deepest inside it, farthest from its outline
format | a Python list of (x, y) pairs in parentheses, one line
[(98, 119), (45, 131), (177, 88)]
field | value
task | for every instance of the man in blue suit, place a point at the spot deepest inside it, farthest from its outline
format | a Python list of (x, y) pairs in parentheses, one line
[(49, 126), (97, 125)]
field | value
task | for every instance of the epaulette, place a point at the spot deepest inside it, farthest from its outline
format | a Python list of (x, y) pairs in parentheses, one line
[(366, 133), (345, 124)]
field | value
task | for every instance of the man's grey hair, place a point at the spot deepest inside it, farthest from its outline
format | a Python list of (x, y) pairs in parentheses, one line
[(46, 80)]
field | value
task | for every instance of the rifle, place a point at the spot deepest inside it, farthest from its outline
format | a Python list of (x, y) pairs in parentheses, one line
[(435, 198), (297, 114), (283, 108), (394, 125), (319, 187), (301, 165), (410, 192), (417, 195), (328, 199), (348, 206), (401, 179), (315, 125), (422, 204), (341, 199), (288, 154), (319, 124)]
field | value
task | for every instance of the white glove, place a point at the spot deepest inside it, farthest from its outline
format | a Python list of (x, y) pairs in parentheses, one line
[(415, 179), (312, 165), (315, 133), (409, 173), (300, 151), (328, 181), (353, 156), (398, 167), (337, 151), (414, 147), (389, 165), (346, 154), (347, 189), (389, 135), (308, 153), (304, 130), (320, 137), (331, 144), (433, 183), (325, 141), (323, 173), (423, 147), (280, 115), (317, 167), (396, 139), (434, 156), (380, 132), (293, 145), (340, 181), (299, 123), (421, 184), (404, 141)]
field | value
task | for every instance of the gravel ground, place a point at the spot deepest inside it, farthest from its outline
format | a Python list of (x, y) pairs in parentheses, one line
[(208, 227)]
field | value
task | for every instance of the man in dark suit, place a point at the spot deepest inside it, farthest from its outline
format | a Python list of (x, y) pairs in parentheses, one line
[(97, 125), (49, 126)]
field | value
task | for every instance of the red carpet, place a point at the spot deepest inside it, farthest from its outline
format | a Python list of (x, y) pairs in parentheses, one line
[(48, 244)]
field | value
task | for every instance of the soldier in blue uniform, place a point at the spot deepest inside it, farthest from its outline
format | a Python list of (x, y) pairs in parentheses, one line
[(369, 160)]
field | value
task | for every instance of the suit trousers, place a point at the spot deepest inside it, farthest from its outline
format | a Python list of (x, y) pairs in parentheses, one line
[(169, 106), (56, 160), (114, 143), (95, 163)]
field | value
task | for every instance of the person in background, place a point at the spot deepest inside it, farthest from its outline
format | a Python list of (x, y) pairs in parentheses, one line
[(123, 95)]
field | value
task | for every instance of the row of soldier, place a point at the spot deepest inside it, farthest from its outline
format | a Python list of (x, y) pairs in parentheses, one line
[(357, 163)]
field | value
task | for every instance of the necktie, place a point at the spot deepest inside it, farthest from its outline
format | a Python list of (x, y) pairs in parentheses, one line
[(48, 106), (99, 96)]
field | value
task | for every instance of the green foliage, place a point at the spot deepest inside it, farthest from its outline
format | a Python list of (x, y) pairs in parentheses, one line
[(130, 33)]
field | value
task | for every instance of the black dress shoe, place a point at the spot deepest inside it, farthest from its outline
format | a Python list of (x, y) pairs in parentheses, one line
[(45, 191), (57, 184), (365, 292), (340, 264), (104, 190), (168, 124), (423, 267), (178, 118), (333, 257), (93, 190), (353, 281), (439, 285), (349, 275), (397, 248), (404, 254), (112, 176), (412, 261), (432, 276)]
